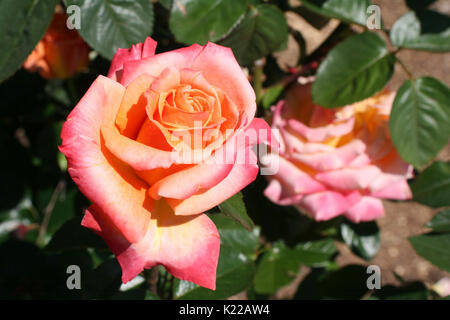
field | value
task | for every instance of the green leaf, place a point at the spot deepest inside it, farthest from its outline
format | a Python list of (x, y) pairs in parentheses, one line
[(201, 21), (406, 28), (234, 207), (166, 3), (63, 211), (362, 238), (21, 272), (309, 288), (440, 222), (262, 31), (278, 267), (349, 282), (22, 24), (354, 11), (107, 25), (236, 268), (73, 236), (271, 96), (354, 70), (315, 253), (433, 247), (422, 30), (107, 279), (233, 235), (409, 291), (419, 4), (424, 105), (432, 186)]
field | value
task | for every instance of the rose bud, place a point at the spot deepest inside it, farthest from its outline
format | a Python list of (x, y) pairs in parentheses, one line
[(60, 53)]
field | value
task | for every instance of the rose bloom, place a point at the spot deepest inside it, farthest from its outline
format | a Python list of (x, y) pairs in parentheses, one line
[(336, 161), (60, 53), (132, 144)]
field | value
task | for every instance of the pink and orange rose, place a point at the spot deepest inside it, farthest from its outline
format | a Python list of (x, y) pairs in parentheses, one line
[(336, 161), (146, 145)]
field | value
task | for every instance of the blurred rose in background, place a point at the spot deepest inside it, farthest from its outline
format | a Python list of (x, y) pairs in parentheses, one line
[(60, 53), (336, 161), (442, 287)]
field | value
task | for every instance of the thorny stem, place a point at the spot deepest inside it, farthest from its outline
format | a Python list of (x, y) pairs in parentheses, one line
[(171, 280), (161, 283), (165, 285), (400, 62), (152, 279), (410, 76), (49, 210)]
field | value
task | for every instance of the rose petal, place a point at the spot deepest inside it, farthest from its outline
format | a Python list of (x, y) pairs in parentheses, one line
[(102, 178), (220, 68), (154, 65), (294, 144), (139, 156), (239, 177), (179, 118), (340, 158), (274, 193), (136, 52), (298, 103), (187, 182), (292, 179), (390, 186), (197, 81), (324, 205), (150, 135), (367, 209), (360, 161), (188, 247), (36, 61), (132, 112), (244, 171), (273, 190), (258, 131), (349, 178), (394, 164), (216, 63), (168, 79), (320, 134)]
